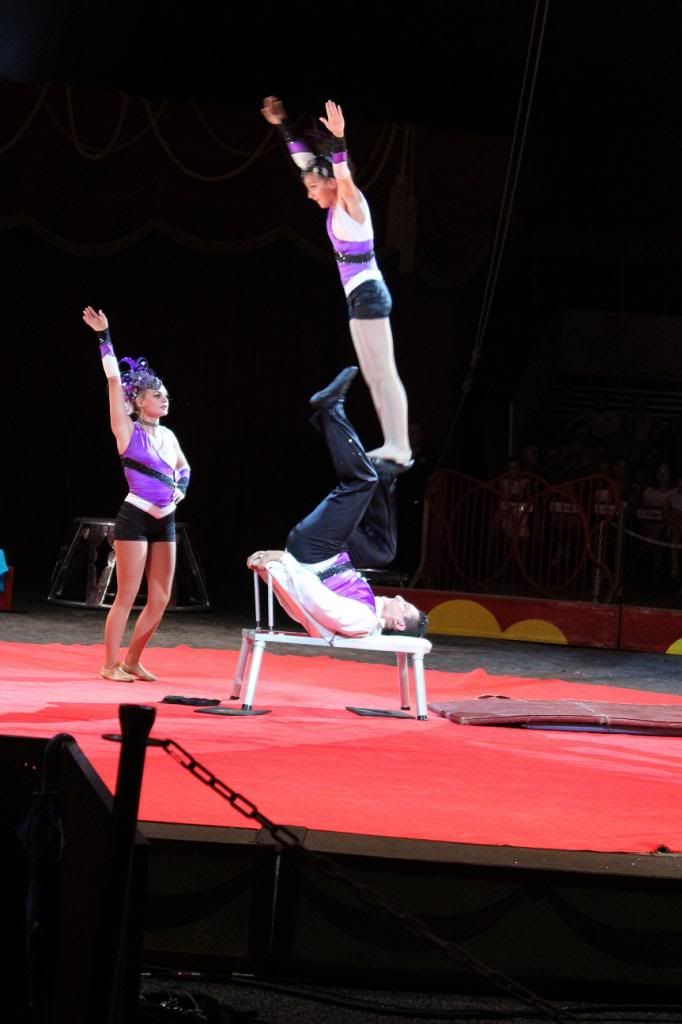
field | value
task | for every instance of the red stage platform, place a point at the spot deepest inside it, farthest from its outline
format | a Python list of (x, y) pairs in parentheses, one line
[(451, 819), (312, 764)]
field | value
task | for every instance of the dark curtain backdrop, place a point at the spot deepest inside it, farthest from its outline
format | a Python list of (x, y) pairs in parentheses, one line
[(229, 289)]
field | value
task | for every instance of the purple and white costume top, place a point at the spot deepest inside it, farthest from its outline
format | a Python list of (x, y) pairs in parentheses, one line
[(151, 479), (352, 240), (341, 605), (341, 577)]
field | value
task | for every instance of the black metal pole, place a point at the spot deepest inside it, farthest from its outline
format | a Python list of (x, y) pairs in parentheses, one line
[(113, 953)]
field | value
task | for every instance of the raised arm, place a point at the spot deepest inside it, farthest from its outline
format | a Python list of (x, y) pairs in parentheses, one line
[(346, 189), (274, 113), (121, 423)]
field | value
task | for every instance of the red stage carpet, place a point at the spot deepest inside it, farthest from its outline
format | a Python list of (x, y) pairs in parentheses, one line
[(312, 763)]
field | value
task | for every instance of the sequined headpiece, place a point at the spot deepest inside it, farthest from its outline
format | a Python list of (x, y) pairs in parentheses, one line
[(138, 377), (319, 165)]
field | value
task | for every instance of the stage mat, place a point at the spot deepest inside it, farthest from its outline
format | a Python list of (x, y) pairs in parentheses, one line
[(311, 763)]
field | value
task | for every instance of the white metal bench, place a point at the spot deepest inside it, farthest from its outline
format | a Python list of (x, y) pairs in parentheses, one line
[(407, 649)]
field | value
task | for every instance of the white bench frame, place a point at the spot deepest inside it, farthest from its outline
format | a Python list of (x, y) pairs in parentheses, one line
[(254, 642)]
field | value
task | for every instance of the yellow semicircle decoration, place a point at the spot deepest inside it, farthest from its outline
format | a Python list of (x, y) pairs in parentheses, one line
[(463, 618), (535, 630), (675, 648)]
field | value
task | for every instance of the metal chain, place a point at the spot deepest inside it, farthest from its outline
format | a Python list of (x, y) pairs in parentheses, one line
[(652, 540), (289, 840)]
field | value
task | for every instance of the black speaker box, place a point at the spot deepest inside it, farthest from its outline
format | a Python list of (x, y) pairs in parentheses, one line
[(55, 833)]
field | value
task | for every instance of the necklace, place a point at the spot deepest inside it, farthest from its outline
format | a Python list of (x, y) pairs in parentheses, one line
[(157, 441)]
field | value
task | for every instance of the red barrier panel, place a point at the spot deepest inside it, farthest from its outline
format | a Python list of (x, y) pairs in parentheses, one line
[(518, 534)]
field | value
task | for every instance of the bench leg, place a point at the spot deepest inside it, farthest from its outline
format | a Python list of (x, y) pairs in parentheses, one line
[(404, 680), (419, 686), (252, 678), (242, 663)]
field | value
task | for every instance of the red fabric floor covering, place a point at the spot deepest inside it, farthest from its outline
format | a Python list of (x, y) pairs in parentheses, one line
[(312, 763)]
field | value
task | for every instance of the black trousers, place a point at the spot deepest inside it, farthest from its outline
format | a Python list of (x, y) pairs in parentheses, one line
[(359, 515)]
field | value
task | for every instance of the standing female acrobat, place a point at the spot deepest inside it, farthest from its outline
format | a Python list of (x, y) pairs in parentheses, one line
[(157, 474), (329, 183)]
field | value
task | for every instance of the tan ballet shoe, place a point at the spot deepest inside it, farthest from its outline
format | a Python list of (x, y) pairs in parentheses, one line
[(117, 674), (139, 672)]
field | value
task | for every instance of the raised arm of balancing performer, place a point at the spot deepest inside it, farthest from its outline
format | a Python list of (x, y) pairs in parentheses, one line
[(157, 474), (328, 181)]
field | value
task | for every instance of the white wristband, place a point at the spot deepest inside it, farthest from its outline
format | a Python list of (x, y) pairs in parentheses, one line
[(110, 364), (341, 170)]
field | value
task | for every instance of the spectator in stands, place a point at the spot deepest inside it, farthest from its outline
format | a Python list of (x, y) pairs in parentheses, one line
[(642, 422), (648, 507), (530, 459), (603, 468), (673, 518), (579, 451), (655, 499), (552, 466), (515, 506), (603, 422), (621, 444), (600, 460), (638, 483), (653, 457), (621, 478)]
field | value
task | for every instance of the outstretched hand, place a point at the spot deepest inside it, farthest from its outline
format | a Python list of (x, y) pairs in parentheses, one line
[(95, 319), (273, 110), (334, 121)]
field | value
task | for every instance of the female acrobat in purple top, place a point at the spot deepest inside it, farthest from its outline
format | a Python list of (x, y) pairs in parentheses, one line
[(157, 475), (329, 183)]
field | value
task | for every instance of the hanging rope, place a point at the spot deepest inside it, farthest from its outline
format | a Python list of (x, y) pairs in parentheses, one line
[(27, 123), (379, 155), (91, 153), (212, 134), (523, 112), (69, 133), (267, 140), (187, 239)]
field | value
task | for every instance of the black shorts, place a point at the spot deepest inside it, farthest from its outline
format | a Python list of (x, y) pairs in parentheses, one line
[(371, 300), (134, 524)]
